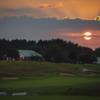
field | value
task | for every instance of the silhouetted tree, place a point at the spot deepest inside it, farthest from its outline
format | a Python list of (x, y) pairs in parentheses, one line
[(55, 50), (86, 55), (97, 52)]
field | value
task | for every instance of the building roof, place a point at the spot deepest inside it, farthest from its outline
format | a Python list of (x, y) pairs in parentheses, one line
[(28, 53)]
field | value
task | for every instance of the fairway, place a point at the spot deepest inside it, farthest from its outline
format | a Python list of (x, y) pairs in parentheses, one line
[(53, 85)]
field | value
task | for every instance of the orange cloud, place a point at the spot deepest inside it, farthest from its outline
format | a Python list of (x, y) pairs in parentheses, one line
[(56, 8), (45, 5)]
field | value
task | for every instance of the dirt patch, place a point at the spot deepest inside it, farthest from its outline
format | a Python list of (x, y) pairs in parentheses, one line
[(19, 94), (9, 78)]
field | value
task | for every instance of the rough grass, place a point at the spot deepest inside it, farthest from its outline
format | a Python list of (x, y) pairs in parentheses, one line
[(29, 68)]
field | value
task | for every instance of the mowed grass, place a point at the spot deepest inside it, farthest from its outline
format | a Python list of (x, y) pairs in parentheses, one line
[(53, 85), (47, 81), (49, 98)]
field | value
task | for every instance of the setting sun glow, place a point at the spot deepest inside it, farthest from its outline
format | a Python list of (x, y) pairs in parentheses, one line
[(87, 35)]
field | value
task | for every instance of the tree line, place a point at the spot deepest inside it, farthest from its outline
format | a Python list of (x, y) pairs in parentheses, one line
[(55, 50)]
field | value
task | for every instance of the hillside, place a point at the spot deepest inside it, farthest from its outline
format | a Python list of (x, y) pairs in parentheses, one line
[(29, 68)]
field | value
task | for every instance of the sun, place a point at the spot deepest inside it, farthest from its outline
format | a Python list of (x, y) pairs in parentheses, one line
[(87, 35)]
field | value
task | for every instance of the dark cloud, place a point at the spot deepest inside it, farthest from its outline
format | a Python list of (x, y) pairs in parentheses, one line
[(78, 25), (32, 12), (43, 28)]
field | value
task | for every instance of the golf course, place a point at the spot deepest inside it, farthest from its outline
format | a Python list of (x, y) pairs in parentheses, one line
[(28, 80)]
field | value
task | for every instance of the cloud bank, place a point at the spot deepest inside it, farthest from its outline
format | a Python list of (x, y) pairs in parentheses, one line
[(48, 28)]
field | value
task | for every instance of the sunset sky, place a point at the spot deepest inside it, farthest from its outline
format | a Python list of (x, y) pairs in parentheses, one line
[(47, 19)]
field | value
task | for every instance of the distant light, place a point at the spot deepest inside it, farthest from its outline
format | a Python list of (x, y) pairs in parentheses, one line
[(98, 18)]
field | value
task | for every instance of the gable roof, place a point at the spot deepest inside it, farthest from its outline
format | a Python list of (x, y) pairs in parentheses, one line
[(28, 53)]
